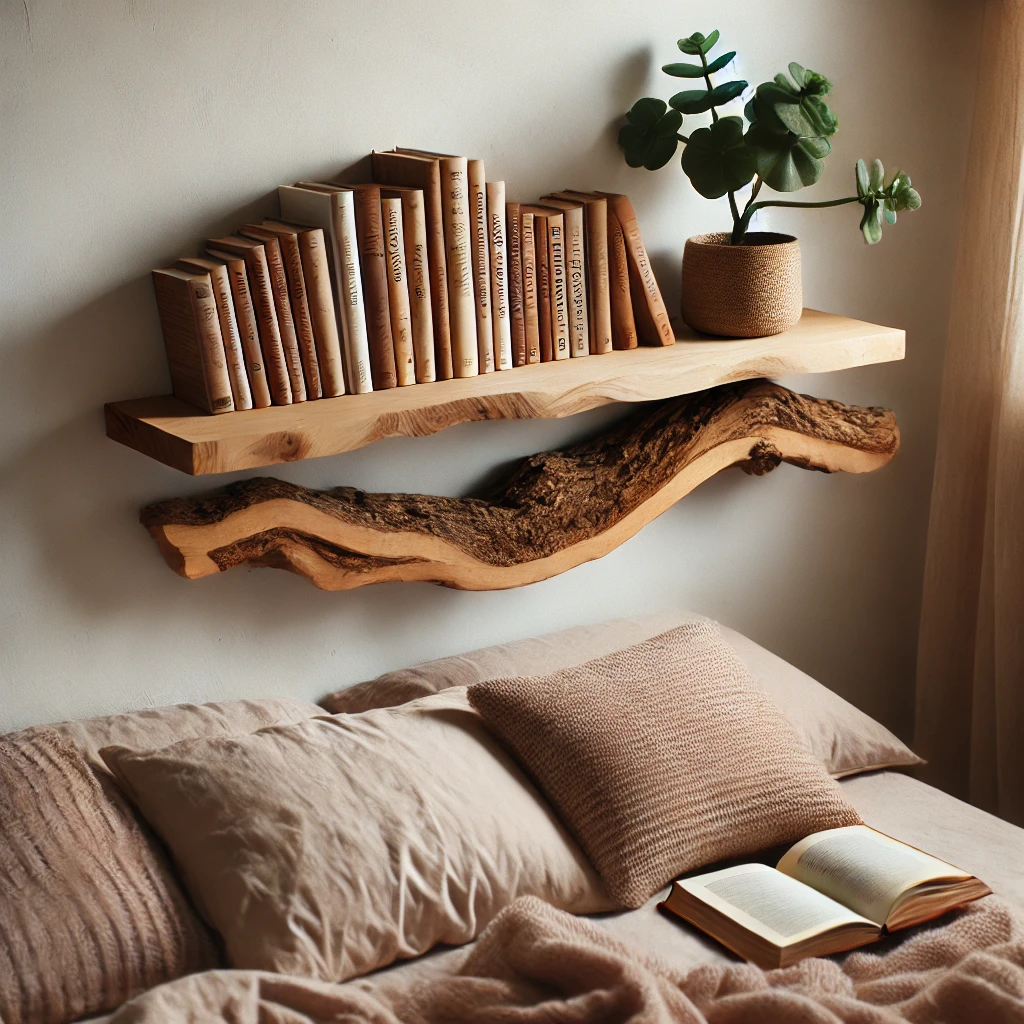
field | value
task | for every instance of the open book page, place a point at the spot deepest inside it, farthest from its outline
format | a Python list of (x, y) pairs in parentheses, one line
[(863, 869), (769, 903)]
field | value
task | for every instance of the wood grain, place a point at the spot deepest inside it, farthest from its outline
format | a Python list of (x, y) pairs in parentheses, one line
[(179, 435), (555, 511)]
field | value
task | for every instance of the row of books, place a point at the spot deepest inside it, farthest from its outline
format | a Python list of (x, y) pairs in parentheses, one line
[(427, 273)]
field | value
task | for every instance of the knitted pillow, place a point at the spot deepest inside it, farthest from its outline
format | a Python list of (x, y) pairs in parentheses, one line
[(663, 757)]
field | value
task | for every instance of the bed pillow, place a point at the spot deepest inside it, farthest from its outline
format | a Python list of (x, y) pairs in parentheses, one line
[(337, 845), (663, 757), (91, 913), (846, 740)]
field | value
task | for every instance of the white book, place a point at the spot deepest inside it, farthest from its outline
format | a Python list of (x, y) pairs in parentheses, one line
[(501, 317), (457, 231), (333, 211), (575, 271), (481, 258)]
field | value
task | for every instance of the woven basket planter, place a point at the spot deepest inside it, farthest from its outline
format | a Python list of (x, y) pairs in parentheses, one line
[(742, 291)]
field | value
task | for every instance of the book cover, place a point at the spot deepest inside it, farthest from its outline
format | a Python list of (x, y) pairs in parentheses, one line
[(191, 328), (258, 275), (624, 335), (295, 282), (414, 170), (480, 254), (501, 317), (457, 233), (515, 283), (531, 286), (545, 323), (398, 291), (576, 274), (229, 332)]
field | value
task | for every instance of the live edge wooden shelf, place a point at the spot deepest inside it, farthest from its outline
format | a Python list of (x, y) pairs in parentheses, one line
[(179, 435)]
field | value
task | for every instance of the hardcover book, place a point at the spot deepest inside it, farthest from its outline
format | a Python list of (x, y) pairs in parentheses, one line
[(501, 317), (458, 246), (833, 891), (531, 286), (480, 250), (398, 290), (575, 273), (513, 220)]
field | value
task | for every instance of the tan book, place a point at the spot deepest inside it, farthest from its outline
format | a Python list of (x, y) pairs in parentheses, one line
[(319, 297), (229, 332), (531, 287), (398, 291), (558, 287), (599, 309), (416, 170), (833, 891), (480, 249), (501, 317), (576, 274), (332, 209), (291, 260), (374, 269), (515, 283), (417, 264), (195, 349), (457, 235), (649, 312), (541, 241), (258, 274), (248, 330)]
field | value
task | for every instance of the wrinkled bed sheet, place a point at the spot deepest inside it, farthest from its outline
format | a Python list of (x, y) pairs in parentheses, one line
[(641, 965)]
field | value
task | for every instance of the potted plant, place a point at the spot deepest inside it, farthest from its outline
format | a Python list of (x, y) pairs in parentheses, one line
[(747, 283)]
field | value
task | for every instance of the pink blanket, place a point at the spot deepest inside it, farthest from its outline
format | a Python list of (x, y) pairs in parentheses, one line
[(538, 965)]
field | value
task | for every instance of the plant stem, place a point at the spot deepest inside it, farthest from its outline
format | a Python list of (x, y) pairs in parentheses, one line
[(707, 79), (742, 223), (681, 137), (735, 210)]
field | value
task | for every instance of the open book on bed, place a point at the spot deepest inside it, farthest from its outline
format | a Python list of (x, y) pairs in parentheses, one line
[(832, 891)]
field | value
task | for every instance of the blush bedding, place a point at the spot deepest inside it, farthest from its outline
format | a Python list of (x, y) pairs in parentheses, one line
[(534, 963)]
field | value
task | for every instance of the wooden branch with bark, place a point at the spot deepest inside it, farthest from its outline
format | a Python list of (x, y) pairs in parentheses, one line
[(555, 511)]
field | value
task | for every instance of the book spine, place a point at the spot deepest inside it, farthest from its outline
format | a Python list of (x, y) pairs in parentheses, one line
[(652, 319), (461, 304), (515, 284), (531, 286), (320, 300), (417, 261), (292, 259), (540, 237), (623, 325), (481, 264), (596, 214), (576, 275), (373, 264), (352, 308), (232, 340), (285, 322), (398, 291), (266, 318), (558, 286), (249, 335), (501, 319)]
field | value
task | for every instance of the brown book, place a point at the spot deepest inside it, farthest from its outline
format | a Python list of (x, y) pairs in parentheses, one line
[(248, 330), (195, 349), (834, 890), (398, 290), (417, 262), (291, 262), (595, 232), (416, 170), (541, 243), (481, 258), (374, 269), (649, 312), (558, 291), (319, 296), (229, 332), (531, 286), (575, 273), (258, 274), (515, 284)]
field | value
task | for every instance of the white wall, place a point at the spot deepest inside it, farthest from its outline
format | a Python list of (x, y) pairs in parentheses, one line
[(134, 128)]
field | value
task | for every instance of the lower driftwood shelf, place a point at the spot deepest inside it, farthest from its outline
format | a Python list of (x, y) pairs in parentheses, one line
[(179, 435), (556, 510)]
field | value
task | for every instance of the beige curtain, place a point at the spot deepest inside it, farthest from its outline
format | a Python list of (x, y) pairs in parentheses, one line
[(970, 676)]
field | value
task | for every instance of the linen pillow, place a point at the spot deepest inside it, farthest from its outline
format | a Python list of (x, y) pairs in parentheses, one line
[(663, 757), (846, 740), (334, 846), (90, 911)]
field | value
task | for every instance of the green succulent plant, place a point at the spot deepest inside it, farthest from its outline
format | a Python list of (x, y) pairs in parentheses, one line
[(782, 143)]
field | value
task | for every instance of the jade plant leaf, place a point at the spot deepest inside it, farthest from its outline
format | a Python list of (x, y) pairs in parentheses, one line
[(786, 162), (684, 70), (882, 202), (696, 101), (649, 138), (720, 62), (795, 105), (717, 160), (698, 43)]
